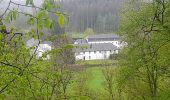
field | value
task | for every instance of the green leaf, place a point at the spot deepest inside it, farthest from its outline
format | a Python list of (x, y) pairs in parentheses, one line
[(31, 21), (35, 37), (61, 20), (9, 17), (48, 23), (1, 36), (14, 14), (68, 46)]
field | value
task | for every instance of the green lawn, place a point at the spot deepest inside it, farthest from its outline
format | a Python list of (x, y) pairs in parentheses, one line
[(94, 68), (96, 63), (97, 78)]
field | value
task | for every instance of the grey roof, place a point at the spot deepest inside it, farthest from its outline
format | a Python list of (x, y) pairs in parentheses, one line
[(81, 41), (94, 47), (103, 37)]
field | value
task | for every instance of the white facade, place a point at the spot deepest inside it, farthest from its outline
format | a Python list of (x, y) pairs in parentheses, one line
[(108, 44), (116, 42), (94, 55)]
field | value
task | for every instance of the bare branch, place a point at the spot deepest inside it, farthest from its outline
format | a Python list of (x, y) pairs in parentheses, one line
[(10, 65)]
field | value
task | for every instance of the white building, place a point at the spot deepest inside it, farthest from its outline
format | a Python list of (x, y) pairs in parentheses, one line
[(92, 47), (42, 47), (45, 47), (104, 38), (97, 47)]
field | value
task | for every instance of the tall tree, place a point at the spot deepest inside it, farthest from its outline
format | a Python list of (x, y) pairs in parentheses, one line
[(145, 63)]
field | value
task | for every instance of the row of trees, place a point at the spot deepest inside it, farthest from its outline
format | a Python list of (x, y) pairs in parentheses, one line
[(100, 15)]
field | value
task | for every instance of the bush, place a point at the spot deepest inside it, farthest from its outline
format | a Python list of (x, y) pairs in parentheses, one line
[(114, 56), (89, 31)]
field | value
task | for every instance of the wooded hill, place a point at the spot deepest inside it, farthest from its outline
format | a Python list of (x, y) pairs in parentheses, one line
[(100, 15)]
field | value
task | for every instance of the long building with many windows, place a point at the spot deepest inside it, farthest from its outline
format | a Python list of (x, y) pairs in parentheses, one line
[(97, 47)]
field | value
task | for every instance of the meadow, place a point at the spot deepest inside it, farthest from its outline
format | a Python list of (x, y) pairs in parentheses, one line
[(94, 69)]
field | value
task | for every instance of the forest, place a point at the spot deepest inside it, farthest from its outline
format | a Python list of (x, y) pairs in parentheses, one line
[(141, 71), (100, 15)]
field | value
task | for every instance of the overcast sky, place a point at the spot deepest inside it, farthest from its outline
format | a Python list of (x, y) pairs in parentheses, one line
[(4, 4)]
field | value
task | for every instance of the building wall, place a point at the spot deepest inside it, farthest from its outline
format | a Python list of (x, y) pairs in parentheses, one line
[(97, 54), (116, 43), (94, 55)]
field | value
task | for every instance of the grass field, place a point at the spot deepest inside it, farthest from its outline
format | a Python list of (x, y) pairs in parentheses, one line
[(94, 68), (92, 76), (97, 63), (97, 78)]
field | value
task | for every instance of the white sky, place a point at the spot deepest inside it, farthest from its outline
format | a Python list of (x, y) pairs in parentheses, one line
[(4, 4)]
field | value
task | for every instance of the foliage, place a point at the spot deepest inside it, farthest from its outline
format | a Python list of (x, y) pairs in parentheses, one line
[(144, 65), (88, 31), (143, 69), (23, 76), (108, 73), (114, 56)]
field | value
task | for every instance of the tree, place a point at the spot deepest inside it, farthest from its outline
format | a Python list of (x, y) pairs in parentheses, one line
[(61, 60), (81, 88), (108, 73), (145, 65), (21, 75), (89, 31)]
